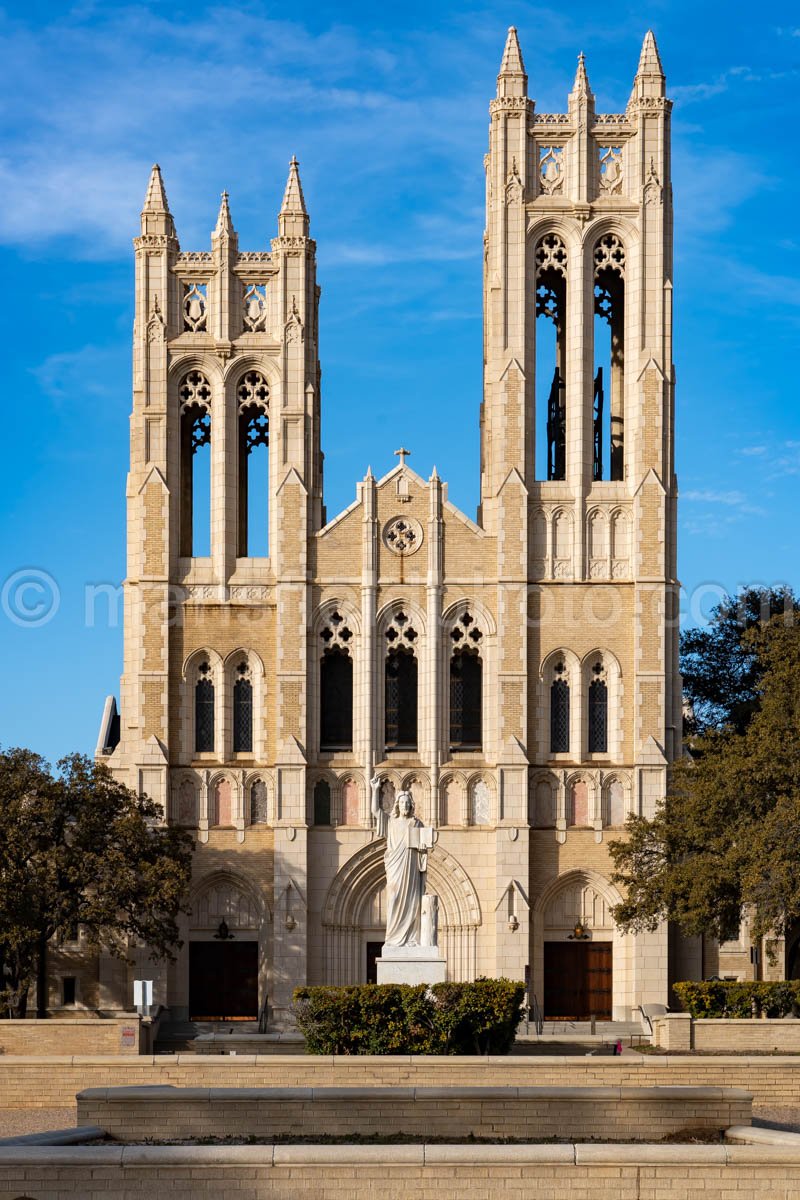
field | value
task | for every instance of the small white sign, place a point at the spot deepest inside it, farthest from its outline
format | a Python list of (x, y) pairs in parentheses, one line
[(142, 994)]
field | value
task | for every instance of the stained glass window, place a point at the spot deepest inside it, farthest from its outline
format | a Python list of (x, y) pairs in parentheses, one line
[(204, 716), (559, 717)]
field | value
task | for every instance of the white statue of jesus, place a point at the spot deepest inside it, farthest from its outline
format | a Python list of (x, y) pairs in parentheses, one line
[(408, 842)]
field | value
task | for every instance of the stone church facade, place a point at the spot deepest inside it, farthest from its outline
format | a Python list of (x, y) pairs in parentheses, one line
[(517, 672)]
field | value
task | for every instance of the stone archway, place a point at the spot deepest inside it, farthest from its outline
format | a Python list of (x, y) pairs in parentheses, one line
[(227, 949), (352, 915), (586, 897)]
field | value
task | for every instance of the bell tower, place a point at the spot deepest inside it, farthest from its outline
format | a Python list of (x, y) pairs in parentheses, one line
[(577, 456)]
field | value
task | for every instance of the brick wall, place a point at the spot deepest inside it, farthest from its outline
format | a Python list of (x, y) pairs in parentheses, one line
[(114, 1035), (486, 1112), (678, 1031), (571, 1172), (53, 1082)]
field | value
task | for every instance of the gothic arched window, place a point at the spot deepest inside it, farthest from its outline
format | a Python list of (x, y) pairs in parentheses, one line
[(252, 395), (401, 700), (551, 355), (194, 394), (598, 712), (609, 355), (336, 701), (336, 685), (243, 711), (466, 700), (466, 685), (322, 802), (400, 685), (559, 711), (204, 711)]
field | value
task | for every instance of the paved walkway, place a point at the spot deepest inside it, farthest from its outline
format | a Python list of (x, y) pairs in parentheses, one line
[(16, 1121)]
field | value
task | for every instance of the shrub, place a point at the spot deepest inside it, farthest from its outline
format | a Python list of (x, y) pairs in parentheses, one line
[(721, 998), (391, 1018)]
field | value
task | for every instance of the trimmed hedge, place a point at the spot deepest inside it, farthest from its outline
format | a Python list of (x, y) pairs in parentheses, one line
[(393, 1018), (721, 998)]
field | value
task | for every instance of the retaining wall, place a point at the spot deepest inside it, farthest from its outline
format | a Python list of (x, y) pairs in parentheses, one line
[(680, 1031), (72, 1035), (442, 1172), (54, 1082), (136, 1114)]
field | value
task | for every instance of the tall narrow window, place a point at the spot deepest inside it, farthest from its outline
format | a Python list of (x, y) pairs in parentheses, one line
[(322, 802), (466, 700), (243, 711), (253, 400), (204, 711), (336, 700), (551, 301), (195, 474), (400, 685), (559, 711), (336, 684), (401, 700), (608, 416), (598, 712)]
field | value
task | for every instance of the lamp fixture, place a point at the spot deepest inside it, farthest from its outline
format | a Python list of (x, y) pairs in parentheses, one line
[(579, 933), (223, 934)]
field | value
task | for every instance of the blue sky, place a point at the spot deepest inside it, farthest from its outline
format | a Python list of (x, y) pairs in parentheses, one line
[(386, 108)]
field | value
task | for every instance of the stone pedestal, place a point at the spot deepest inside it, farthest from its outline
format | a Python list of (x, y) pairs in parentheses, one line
[(411, 964)]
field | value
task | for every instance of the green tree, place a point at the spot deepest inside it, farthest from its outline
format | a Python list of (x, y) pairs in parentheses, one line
[(719, 663), (728, 834), (78, 847)]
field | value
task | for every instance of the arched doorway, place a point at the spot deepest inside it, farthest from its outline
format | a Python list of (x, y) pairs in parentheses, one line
[(353, 919), (579, 956), (224, 959)]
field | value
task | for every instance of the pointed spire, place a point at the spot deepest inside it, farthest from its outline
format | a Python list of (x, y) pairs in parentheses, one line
[(649, 59), (369, 476), (156, 217), (650, 79), (512, 63), (580, 87), (156, 199), (224, 225), (293, 217), (512, 80), (293, 199), (434, 475)]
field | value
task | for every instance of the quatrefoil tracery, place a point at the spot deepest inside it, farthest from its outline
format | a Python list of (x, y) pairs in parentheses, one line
[(403, 535)]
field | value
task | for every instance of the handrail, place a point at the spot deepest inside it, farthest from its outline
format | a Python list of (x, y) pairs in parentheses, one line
[(262, 1016), (536, 1015)]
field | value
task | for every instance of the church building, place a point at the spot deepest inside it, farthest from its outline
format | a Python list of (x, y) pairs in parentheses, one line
[(516, 671)]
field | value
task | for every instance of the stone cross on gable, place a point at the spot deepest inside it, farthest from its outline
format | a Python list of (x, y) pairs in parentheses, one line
[(402, 454)]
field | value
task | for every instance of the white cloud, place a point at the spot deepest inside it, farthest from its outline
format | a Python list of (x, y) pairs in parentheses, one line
[(92, 373), (730, 499), (708, 496)]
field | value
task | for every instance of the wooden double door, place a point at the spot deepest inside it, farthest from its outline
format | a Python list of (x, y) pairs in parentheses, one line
[(223, 981), (577, 981)]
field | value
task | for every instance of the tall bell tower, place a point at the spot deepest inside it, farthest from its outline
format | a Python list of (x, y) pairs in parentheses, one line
[(577, 467)]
